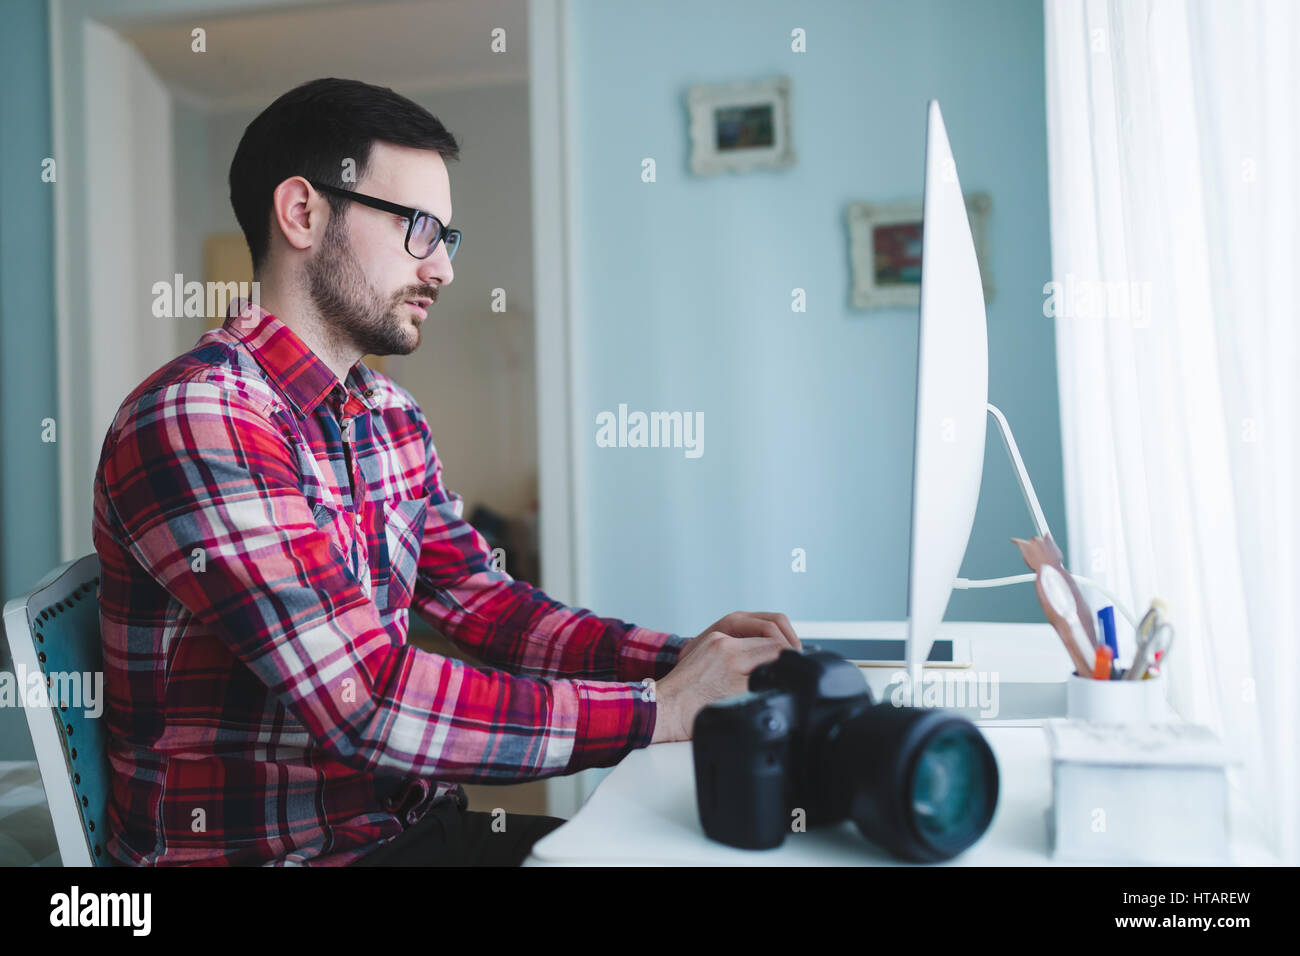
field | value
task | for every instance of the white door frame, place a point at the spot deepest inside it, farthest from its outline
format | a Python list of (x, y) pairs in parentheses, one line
[(555, 274), (561, 454), (561, 451)]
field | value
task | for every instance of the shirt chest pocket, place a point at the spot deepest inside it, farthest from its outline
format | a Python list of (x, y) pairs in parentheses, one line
[(345, 534), (403, 538), (333, 521)]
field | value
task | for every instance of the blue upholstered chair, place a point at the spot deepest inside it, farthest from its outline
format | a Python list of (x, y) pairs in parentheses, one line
[(54, 630)]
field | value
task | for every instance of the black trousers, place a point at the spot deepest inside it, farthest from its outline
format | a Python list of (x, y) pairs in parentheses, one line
[(450, 836)]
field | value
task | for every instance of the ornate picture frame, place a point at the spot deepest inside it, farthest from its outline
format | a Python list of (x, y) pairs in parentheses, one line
[(885, 251), (740, 127)]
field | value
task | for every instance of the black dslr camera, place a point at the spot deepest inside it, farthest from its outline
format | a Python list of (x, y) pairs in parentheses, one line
[(921, 783)]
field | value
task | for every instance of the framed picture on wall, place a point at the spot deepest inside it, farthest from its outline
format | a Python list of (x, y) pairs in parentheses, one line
[(885, 250), (740, 127)]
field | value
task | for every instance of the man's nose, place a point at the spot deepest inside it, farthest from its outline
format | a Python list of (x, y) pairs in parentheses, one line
[(437, 267)]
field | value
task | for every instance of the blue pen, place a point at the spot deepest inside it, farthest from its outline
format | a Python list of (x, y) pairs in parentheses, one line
[(1107, 617)]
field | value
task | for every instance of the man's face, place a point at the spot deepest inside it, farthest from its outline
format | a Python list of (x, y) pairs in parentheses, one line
[(367, 288)]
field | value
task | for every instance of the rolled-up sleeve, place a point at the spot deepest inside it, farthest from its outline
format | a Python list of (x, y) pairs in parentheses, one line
[(205, 493)]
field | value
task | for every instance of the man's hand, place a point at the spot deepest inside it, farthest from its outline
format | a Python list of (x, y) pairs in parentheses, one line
[(751, 624), (717, 664)]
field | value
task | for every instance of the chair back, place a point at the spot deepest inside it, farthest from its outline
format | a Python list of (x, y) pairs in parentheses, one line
[(58, 659)]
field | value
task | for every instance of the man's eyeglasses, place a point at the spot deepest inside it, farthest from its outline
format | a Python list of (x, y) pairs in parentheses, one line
[(424, 230)]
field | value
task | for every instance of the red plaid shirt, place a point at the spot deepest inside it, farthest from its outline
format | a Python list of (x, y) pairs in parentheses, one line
[(263, 533)]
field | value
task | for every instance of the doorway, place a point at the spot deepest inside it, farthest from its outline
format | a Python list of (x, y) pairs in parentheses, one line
[(183, 79)]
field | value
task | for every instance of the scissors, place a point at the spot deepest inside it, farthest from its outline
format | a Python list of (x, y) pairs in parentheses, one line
[(1155, 636)]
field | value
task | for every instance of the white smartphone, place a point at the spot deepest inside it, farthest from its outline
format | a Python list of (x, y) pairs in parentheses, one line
[(889, 652)]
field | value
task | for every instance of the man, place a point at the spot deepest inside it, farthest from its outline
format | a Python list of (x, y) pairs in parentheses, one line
[(268, 510)]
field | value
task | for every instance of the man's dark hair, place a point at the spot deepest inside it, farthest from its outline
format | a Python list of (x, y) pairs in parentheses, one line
[(309, 132)]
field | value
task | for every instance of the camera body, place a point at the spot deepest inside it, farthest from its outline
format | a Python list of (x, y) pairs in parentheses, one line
[(759, 756), (809, 737)]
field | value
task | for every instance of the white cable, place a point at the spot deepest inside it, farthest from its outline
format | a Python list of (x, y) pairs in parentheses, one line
[(993, 582), (1119, 605), (1025, 578)]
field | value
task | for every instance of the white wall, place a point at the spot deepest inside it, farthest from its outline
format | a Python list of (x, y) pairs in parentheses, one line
[(684, 291)]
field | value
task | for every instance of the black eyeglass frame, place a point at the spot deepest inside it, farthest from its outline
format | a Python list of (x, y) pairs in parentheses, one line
[(410, 213)]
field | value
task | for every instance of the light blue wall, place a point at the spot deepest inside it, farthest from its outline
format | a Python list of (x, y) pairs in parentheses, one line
[(29, 473), (684, 303)]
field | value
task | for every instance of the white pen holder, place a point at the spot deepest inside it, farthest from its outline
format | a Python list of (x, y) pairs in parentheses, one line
[(1116, 701)]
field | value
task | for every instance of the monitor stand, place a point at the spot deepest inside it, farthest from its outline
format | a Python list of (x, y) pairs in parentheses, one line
[(1019, 702), (1022, 473)]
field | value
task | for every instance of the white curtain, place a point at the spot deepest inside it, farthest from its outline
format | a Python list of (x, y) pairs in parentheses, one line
[(1174, 152)]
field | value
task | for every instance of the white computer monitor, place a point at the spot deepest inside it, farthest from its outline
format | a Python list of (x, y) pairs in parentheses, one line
[(952, 383)]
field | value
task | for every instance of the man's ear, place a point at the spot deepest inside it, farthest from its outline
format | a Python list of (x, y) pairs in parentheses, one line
[(299, 212)]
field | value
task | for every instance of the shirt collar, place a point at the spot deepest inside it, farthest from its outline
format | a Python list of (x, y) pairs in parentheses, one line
[(290, 364)]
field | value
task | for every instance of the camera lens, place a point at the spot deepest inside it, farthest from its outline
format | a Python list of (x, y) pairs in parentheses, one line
[(922, 784), (948, 786)]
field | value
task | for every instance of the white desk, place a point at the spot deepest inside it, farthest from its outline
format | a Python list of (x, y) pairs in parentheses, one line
[(644, 812)]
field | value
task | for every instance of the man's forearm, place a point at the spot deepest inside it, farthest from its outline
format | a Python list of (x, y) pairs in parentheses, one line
[(516, 626)]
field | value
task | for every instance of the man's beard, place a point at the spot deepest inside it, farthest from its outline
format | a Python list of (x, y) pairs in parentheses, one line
[(354, 313)]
